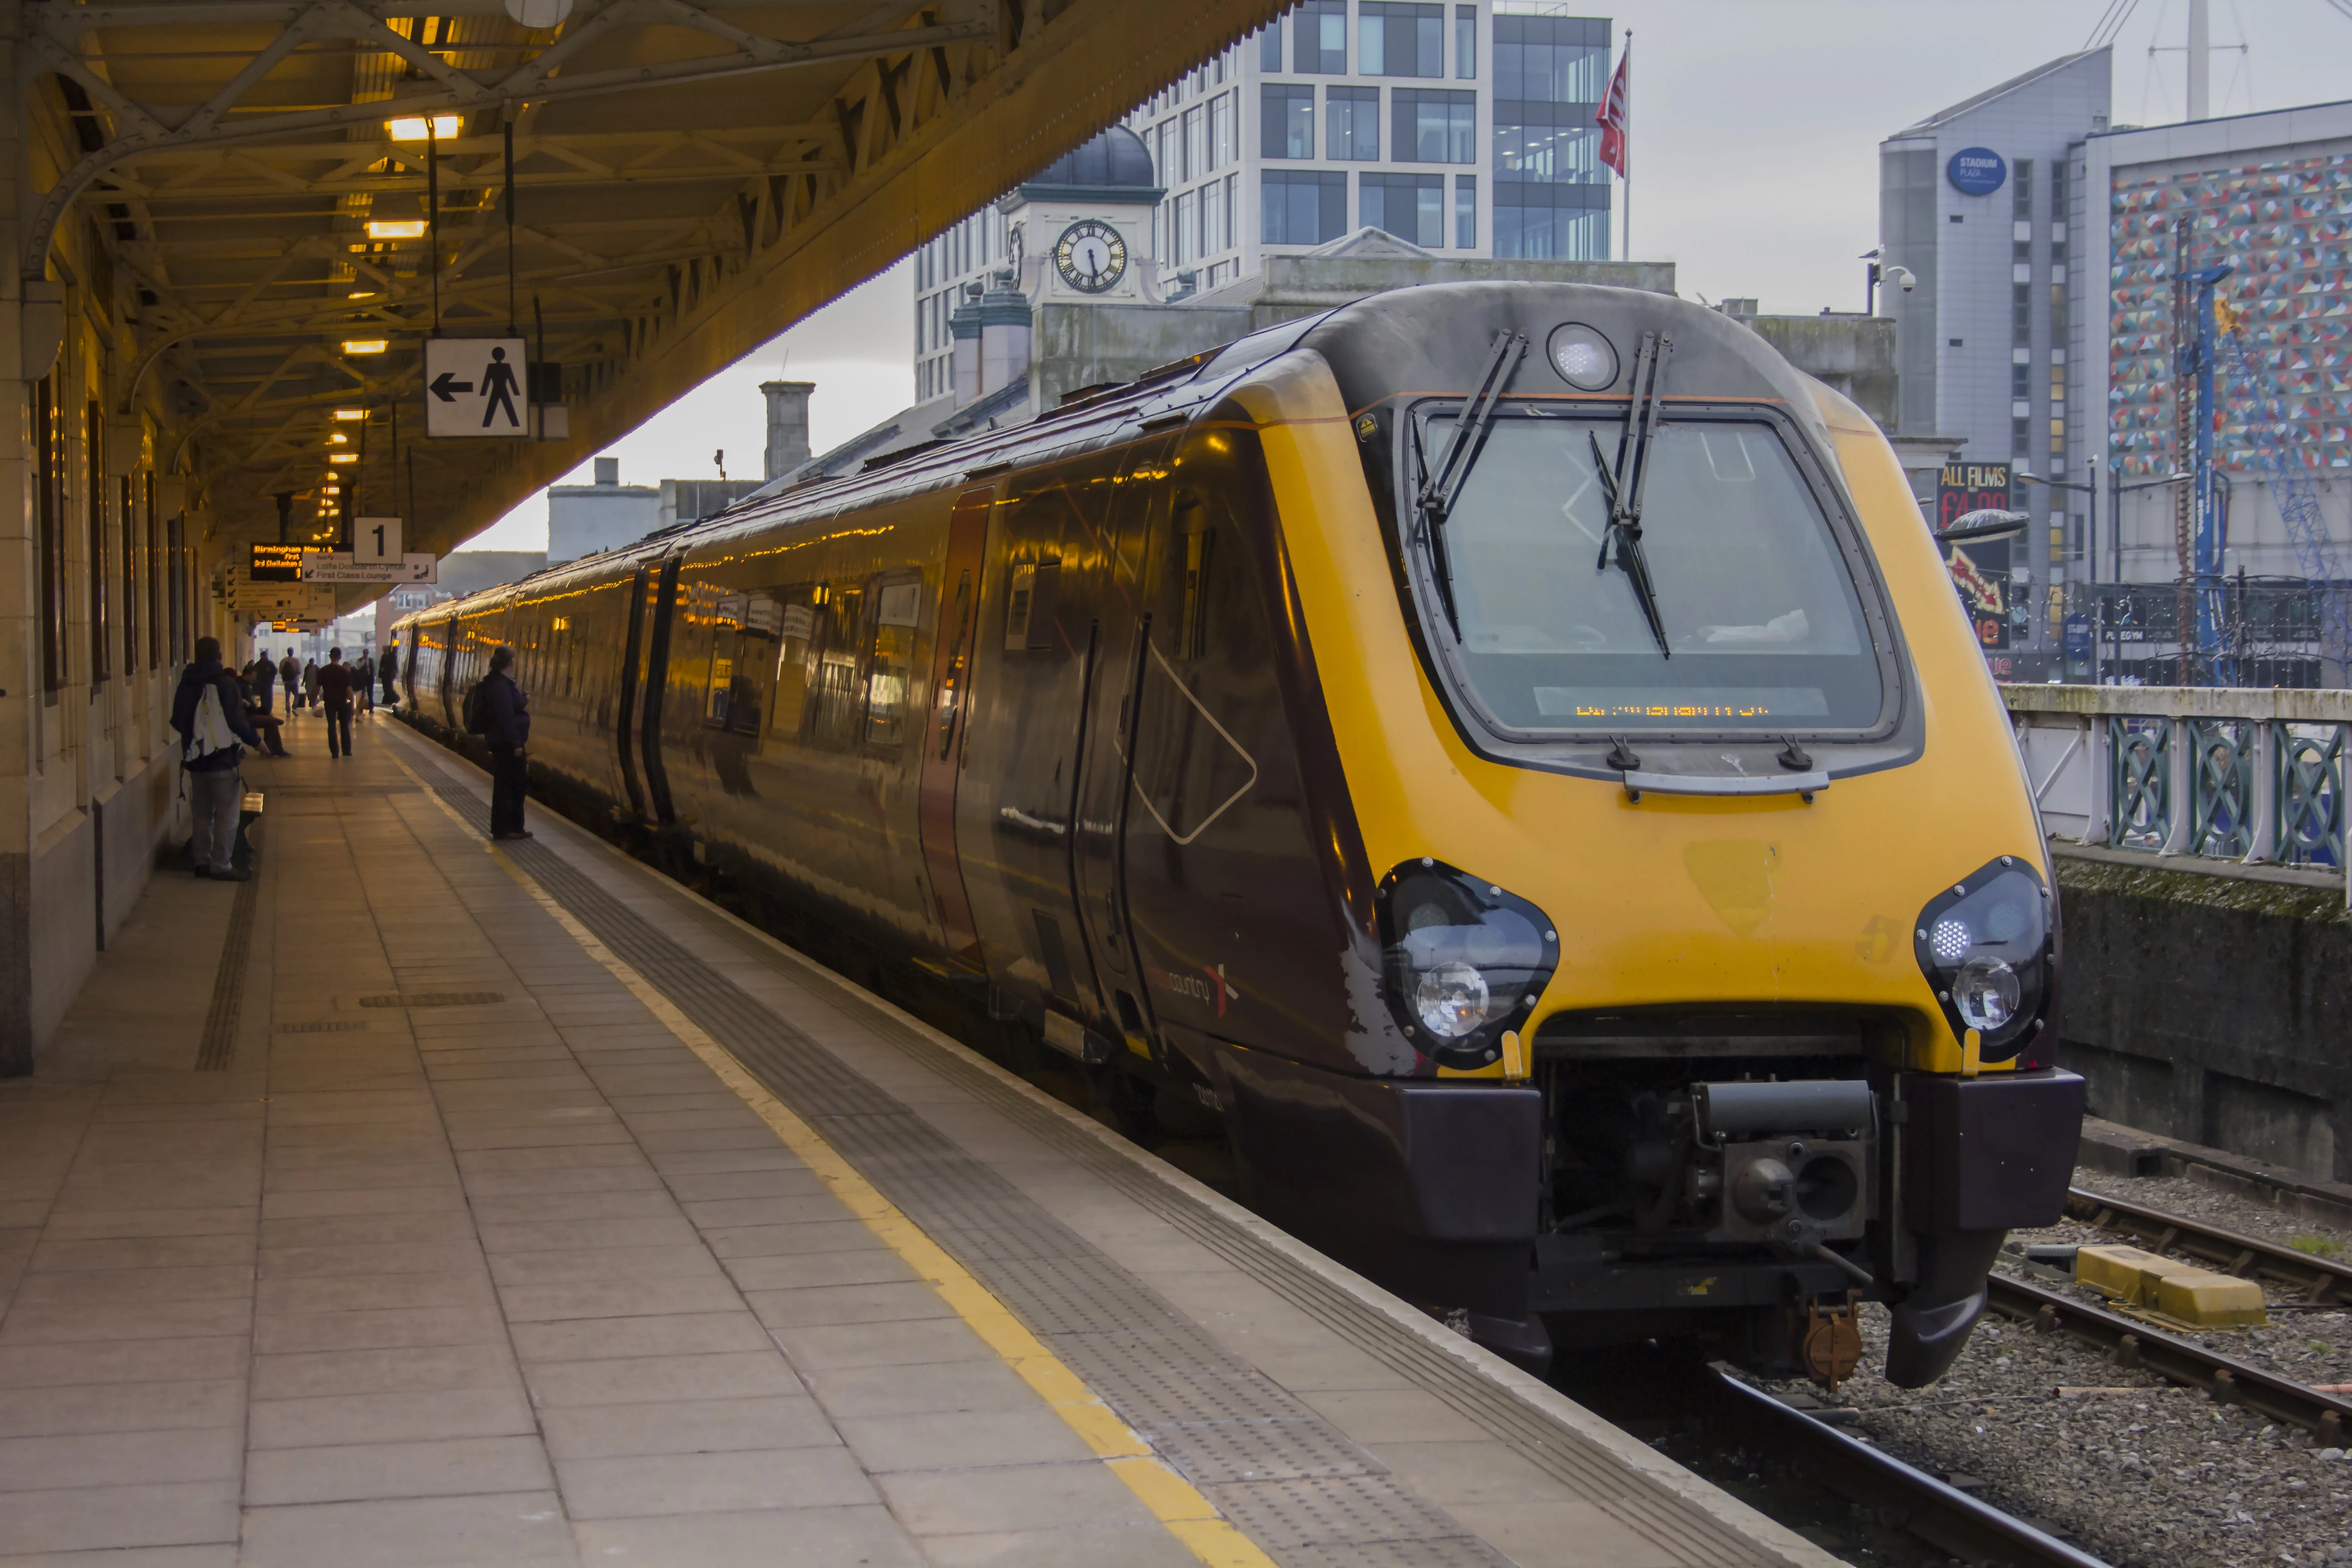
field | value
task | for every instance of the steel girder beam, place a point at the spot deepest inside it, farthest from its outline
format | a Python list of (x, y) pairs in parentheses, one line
[(922, 114)]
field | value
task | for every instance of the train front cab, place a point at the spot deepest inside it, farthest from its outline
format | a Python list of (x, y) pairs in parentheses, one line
[(1683, 1027)]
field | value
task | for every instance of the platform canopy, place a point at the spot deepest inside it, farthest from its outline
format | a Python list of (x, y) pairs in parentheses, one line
[(284, 200)]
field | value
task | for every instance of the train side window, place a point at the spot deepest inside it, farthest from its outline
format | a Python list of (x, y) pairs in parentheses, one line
[(1029, 607), (799, 615), (1018, 599), (890, 664), (836, 685), (1195, 543), (744, 655)]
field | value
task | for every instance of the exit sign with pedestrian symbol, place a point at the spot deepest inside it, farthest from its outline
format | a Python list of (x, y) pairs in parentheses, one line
[(474, 386)]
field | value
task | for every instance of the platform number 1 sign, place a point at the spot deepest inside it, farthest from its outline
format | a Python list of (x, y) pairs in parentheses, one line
[(375, 539)]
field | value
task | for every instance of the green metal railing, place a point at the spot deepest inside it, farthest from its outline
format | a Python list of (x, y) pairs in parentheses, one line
[(2257, 777)]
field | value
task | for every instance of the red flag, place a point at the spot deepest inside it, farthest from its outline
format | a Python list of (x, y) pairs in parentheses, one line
[(1616, 116)]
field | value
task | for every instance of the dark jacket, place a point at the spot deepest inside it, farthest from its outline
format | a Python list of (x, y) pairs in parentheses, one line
[(193, 681), (335, 683), (506, 712)]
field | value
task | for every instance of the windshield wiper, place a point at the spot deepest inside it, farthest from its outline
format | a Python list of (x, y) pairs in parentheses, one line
[(1625, 482), (1440, 486)]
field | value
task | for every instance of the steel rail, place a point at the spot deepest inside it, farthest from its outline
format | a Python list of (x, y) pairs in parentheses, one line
[(1914, 1501), (2319, 1278), (2133, 1344)]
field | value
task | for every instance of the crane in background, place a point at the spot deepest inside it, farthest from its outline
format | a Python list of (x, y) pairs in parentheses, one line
[(2291, 489)]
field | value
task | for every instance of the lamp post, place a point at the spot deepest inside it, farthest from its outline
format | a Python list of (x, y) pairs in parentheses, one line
[(2090, 547), (2116, 490)]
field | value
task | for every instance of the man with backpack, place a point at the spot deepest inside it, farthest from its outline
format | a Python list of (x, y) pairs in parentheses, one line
[(208, 710), (498, 710), (335, 702)]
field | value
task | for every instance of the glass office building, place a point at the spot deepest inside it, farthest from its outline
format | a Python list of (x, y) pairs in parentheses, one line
[(1466, 129)]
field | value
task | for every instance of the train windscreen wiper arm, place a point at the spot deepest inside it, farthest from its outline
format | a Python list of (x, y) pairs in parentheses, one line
[(1625, 482), (1439, 488)]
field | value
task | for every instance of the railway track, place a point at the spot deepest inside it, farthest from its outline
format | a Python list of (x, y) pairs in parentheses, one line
[(1896, 1494), (2320, 1280), (2132, 1342)]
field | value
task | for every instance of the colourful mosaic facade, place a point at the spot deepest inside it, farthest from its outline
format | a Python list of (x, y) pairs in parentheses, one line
[(2287, 227)]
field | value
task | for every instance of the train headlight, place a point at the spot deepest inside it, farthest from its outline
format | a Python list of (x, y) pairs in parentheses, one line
[(1584, 359), (1987, 994), (1451, 1000), (1464, 961), (1985, 944)]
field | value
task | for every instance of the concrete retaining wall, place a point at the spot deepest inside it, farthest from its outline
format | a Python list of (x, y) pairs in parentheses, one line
[(2212, 1009)]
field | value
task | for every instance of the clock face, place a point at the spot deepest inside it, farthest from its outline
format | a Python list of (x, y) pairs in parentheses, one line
[(1090, 256)]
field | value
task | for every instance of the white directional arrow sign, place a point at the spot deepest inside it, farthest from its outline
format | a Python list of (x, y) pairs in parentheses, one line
[(474, 386)]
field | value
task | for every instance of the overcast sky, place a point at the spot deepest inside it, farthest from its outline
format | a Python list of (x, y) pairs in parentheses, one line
[(1755, 142)]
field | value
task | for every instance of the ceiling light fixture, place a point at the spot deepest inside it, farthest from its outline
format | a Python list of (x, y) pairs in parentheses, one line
[(343, 457), (410, 127), (395, 229), (351, 416), (365, 345)]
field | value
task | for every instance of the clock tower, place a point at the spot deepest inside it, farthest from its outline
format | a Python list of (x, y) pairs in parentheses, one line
[(1081, 231)]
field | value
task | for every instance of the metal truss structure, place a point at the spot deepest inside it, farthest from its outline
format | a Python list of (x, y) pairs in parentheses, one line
[(685, 178)]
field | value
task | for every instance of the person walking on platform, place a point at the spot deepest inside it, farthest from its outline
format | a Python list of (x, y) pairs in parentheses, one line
[(311, 683), (262, 675), (335, 702), (289, 674), (501, 716), (208, 710), (363, 681)]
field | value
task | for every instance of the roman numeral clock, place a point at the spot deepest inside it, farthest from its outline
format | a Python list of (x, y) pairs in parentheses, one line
[(1090, 256)]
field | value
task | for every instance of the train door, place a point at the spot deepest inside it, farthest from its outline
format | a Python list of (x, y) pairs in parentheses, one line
[(1016, 796), (657, 687), (1099, 825), (952, 651), (636, 640)]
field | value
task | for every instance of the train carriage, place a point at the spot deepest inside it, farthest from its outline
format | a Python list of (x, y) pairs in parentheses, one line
[(1511, 750)]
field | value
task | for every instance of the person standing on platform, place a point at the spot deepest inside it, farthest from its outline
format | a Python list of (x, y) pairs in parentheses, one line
[(311, 683), (289, 674), (262, 675), (363, 681), (390, 669), (504, 719), (208, 710), (335, 702)]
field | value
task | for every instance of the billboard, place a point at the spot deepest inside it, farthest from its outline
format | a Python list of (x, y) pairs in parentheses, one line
[(1980, 570)]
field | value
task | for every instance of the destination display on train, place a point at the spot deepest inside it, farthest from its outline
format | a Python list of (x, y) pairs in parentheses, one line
[(1598, 705)]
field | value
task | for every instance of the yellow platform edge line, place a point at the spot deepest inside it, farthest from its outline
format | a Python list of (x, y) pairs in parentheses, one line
[(1187, 1514)]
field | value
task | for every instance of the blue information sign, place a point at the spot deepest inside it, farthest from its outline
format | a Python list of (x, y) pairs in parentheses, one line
[(1977, 171), (2078, 637)]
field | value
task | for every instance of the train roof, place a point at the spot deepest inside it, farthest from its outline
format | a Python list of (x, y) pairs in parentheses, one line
[(1379, 347)]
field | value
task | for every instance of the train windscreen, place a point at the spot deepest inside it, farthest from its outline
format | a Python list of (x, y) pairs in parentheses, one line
[(1750, 618)]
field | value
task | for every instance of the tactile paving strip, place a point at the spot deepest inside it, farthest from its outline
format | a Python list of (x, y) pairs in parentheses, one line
[(1285, 1476)]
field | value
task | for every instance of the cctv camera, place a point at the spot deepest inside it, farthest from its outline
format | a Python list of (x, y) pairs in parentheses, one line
[(1904, 276)]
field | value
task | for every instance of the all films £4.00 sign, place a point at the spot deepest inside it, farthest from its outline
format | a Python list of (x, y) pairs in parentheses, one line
[(1980, 570)]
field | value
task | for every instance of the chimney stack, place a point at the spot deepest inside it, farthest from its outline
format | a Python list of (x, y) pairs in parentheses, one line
[(608, 471), (788, 426), (1004, 330)]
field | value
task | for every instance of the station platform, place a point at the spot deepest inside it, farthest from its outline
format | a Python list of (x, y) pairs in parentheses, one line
[(426, 1201)]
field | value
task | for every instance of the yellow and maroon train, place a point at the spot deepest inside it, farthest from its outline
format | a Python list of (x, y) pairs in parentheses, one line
[(1512, 750)]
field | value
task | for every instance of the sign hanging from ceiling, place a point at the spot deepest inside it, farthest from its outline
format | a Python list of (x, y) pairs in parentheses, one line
[(1977, 171), (277, 562), (474, 386)]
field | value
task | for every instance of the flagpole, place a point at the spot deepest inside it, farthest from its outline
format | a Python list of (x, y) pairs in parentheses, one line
[(1628, 175)]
